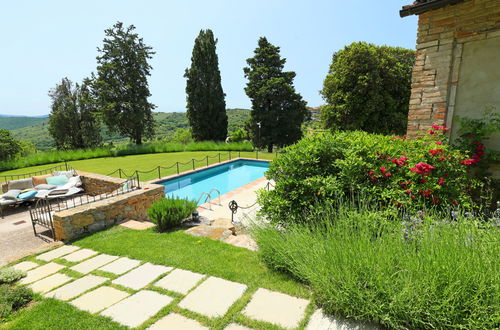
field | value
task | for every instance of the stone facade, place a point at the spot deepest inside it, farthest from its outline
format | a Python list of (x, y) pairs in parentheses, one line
[(442, 35), (75, 222)]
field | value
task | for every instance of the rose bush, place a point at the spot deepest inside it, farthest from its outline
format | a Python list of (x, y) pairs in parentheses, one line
[(393, 171)]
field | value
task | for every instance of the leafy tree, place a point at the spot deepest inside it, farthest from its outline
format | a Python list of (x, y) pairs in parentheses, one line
[(9, 147), (121, 84), (182, 135), (73, 123), (239, 135), (368, 88), (276, 106), (206, 107)]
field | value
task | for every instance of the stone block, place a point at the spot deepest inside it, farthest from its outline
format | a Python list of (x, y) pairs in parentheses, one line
[(138, 308), (82, 220), (50, 282), (176, 321), (141, 276), (213, 297), (79, 255), (235, 326), (25, 265), (79, 286), (57, 253), (277, 308), (320, 321), (180, 281), (41, 272), (120, 266), (91, 264), (99, 299)]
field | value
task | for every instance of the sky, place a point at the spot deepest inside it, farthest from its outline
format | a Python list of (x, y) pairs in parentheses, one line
[(44, 41)]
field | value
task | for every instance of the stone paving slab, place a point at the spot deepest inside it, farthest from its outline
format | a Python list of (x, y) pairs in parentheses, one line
[(99, 299), (320, 321), (49, 283), (41, 272), (180, 281), (76, 288), (57, 253), (136, 309), (120, 266), (141, 276), (25, 265), (213, 297), (235, 326), (80, 255), (176, 321), (91, 264), (277, 308), (137, 225)]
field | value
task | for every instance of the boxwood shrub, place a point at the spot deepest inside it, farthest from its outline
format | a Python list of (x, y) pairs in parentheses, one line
[(169, 212), (391, 171)]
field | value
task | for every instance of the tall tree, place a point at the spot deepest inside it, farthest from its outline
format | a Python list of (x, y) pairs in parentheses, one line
[(277, 109), (121, 84), (9, 147), (206, 107), (73, 122), (368, 88)]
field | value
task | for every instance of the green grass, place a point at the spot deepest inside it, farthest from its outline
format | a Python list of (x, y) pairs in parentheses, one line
[(360, 264), (147, 162), (175, 249)]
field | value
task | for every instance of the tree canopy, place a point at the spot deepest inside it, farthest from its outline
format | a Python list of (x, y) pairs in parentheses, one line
[(9, 147), (121, 84), (73, 122), (206, 106), (368, 88), (277, 109)]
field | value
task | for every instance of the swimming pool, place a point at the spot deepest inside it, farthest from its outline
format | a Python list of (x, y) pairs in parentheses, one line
[(225, 177)]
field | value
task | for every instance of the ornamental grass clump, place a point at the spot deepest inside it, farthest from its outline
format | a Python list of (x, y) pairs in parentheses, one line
[(418, 173), (426, 272), (169, 212)]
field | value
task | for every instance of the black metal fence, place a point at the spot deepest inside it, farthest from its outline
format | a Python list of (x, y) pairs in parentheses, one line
[(10, 177), (177, 165)]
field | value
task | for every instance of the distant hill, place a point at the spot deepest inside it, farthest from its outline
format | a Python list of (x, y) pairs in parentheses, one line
[(36, 130)]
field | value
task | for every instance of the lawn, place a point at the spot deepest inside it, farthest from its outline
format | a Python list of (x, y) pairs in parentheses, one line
[(146, 162), (175, 249)]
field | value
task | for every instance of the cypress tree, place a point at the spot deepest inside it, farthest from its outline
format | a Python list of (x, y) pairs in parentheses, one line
[(278, 111), (206, 106)]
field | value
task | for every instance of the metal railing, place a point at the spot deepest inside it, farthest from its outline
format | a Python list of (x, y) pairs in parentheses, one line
[(209, 197), (233, 205), (41, 213), (177, 165), (62, 167)]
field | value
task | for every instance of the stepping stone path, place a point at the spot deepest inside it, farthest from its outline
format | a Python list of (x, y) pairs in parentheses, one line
[(213, 297), (141, 276), (76, 288), (92, 264), (276, 308), (138, 308), (120, 266), (51, 282), (57, 253), (79, 255), (176, 321), (205, 295), (99, 299), (180, 281)]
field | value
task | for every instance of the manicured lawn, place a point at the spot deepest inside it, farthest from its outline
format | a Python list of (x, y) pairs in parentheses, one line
[(146, 162), (176, 249)]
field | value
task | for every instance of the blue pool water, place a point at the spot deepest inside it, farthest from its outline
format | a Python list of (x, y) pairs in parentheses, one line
[(224, 177)]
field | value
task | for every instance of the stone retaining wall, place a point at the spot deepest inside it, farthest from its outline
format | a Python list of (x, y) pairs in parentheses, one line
[(73, 223), (98, 184)]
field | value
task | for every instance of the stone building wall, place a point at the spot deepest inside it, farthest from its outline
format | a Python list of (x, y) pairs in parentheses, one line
[(75, 222), (442, 34), (98, 184)]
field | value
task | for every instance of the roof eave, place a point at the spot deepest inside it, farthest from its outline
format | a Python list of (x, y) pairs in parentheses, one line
[(426, 6)]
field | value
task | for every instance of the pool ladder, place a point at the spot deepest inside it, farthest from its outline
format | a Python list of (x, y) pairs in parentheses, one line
[(208, 197)]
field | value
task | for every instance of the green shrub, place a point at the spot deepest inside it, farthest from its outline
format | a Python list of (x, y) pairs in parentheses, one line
[(392, 171), (13, 298), (419, 274), (169, 212), (10, 275)]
